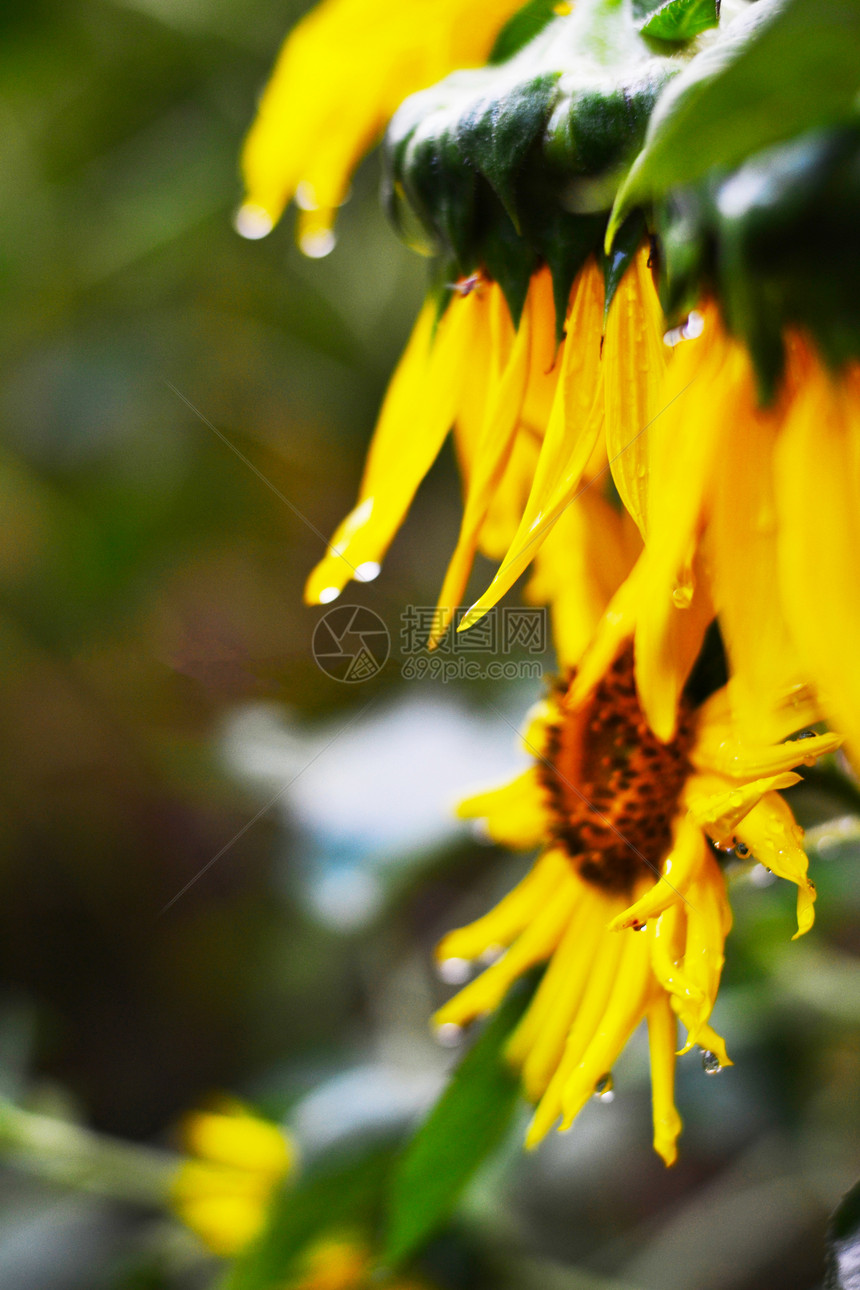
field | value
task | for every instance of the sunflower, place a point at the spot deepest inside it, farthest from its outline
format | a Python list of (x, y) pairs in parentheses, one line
[(341, 75), (626, 901)]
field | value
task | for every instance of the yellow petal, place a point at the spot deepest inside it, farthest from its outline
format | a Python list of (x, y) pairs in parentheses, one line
[(574, 423), (708, 923), (662, 1042), (536, 944), (342, 73), (416, 416), (718, 806), (680, 868), (504, 923), (634, 360), (817, 485), (774, 837), (504, 402), (515, 814)]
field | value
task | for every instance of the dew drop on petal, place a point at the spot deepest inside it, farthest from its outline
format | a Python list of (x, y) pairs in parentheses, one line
[(762, 877), (318, 244), (604, 1090), (252, 222), (682, 595), (491, 955), (305, 197), (448, 1034), (694, 326), (742, 850), (328, 594), (454, 971), (367, 571), (710, 1063)]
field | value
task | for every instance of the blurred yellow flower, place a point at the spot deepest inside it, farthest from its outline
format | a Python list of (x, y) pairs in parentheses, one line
[(626, 901), (223, 1191), (339, 79), (343, 1263)]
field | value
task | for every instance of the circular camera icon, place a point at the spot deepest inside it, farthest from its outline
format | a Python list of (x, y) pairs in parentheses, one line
[(351, 643)]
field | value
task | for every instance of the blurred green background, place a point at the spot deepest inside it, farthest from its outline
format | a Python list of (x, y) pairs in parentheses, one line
[(159, 692)]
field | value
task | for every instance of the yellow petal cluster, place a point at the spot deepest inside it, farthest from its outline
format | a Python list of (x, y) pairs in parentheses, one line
[(236, 1162)]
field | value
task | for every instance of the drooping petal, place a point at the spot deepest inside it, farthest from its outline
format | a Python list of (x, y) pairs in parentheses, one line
[(509, 918), (680, 868), (718, 806), (342, 73), (536, 943), (634, 360), (416, 416), (662, 1043), (709, 920), (774, 838), (718, 748), (817, 485)]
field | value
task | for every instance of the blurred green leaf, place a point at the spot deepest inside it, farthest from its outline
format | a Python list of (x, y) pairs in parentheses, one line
[(681, 19), (526, 23), (468, 1121), (336, 1199), (778, 70), (843, 1244)]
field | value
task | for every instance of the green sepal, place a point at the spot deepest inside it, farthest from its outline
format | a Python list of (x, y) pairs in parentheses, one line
[(775, 241), (495, 134), (680, 20), (521, 29)]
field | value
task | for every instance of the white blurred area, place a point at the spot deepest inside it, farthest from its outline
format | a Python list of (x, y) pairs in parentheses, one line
[(372, 794)]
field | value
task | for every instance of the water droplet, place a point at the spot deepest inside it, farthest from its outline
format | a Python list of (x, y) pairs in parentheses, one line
[(694, 326), (491, 955), (638, 927), (252, 222), (318, 244), (367, 571), (305, 197), (328, 594), (802, 734), (604, 1090), (742, 850), (454, 971), (449, 1034), (761, 876), (710, 1063), (682, 595)]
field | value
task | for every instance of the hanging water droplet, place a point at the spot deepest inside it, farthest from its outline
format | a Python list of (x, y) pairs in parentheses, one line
[(449, 1034), (367, 571), (762, 876), (454, 971), (318, 243), (742, 850), (638, 927), (682, 595), (328, 594), (710, 1063), (252, 222), (604, 1090)]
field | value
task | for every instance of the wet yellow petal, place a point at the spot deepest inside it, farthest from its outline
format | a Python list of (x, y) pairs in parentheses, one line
[(718, 806), (708, 923), (774, 837), (634, 361), (538, 1042), (342, 73), (504, 402), (817, 486), (622, 1014), (416, 416), (680, 868), (605, 968), (720, 750), (550, 873), (536, 944), (574, 423), (662, 1042)]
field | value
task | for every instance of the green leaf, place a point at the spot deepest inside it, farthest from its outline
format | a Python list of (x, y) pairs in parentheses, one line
[(468, 1121), (681, 19), (843, 1244), (333, 1199), (777, 70)]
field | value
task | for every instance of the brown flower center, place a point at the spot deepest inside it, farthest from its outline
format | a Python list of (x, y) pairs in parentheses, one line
[(613, 787)]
